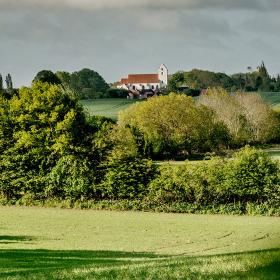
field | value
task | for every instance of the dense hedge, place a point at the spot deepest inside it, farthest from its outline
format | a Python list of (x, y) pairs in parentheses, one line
[(247, 184), (251, 177)]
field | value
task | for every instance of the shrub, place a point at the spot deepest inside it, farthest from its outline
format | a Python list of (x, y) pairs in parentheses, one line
[(127, 178), (252, 176), (71, 178), (199, 183)]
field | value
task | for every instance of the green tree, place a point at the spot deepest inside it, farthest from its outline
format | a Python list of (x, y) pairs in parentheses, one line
[(9, 82), (1, 83), (171, 126), (39, 127), (265, 79), (46, 76)]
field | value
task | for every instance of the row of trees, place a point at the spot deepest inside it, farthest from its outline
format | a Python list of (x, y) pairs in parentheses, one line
[(85, 84), (258, 80), (50, 149), (177, 126)]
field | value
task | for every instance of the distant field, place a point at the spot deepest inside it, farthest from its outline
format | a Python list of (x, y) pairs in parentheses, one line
[(108, 107), (273, 98), (38, 243)]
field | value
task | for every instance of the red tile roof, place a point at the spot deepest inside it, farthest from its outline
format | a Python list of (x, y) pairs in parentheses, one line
[(140, 79)]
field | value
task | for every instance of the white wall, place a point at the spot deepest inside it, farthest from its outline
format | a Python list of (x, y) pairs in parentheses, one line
[(163, 75)]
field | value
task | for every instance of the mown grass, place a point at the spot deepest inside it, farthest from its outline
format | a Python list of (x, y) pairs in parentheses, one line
[(107, 107), (38, 243)]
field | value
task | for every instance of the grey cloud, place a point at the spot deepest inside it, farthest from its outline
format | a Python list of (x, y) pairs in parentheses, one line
[(147, 4)]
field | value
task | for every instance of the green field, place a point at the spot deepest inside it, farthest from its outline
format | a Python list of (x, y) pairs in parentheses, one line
[(38, 243), (108, 107), (272, 98)]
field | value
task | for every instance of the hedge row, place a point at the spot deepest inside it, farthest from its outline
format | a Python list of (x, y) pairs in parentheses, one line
[(249, 183)]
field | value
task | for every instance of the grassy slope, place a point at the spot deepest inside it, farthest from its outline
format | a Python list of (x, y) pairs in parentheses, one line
[(108, 107), (37, 243)]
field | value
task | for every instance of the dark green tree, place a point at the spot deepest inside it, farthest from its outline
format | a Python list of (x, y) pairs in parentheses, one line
[(46, 76), (265, 78), (1, 83), (9, 82)]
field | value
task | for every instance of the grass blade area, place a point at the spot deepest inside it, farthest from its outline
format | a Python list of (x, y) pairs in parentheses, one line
[(38, 243)]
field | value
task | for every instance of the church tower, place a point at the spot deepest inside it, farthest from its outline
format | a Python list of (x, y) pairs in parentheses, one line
[(163, 75)]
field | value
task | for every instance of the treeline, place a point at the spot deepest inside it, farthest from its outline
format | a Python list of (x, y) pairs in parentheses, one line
[(177, 127), (84, 84), (196, 80), (50, 150)]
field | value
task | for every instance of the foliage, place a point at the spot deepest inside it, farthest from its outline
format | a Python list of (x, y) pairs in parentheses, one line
[(172, 126), (253, 177), (86, 83), (71, 178), (197, 79), (47, 76), (250, 177), (247, 117), (38, 127), (116, 93), (127, 178)]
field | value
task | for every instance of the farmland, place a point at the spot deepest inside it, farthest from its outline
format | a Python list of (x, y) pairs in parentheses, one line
[(272, 98), (109, 107), (38, 243)]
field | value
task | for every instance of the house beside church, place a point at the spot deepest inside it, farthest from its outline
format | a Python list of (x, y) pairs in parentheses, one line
[(144, 85)]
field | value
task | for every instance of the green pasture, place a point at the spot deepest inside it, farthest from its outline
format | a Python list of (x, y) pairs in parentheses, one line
[(108, 107), (38, 243), (272, 98)]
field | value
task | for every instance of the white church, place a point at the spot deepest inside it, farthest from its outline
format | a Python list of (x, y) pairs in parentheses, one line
[(145, 82)]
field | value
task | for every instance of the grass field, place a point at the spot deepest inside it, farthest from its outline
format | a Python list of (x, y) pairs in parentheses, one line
[(272, 98), (38, 243), (108, 107)]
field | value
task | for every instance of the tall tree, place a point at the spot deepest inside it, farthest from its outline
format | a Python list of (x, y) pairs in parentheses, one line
[(9, 82), (1, 82), (265, 78)]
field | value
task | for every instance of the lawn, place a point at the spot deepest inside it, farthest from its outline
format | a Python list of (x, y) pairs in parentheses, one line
[(108, 107), (38, 243)]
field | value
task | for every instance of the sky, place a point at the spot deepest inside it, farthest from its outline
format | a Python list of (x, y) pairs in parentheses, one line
[(118, 37)]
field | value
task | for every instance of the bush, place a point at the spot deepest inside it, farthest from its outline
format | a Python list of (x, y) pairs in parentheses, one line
[(199, 183), (71, 178), (252, 176), (127, 178), (117, 93)]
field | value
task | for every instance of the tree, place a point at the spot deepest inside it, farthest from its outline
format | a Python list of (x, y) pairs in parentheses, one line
[(246, 115), (46, 76), (37, 128), (1, 83), (9, 82), (86, 83), (175, 81), (265, 80), (260, 118), (171, 126)]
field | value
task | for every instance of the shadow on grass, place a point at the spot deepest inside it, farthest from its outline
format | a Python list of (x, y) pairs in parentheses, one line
[(48, 264), (7, 239)]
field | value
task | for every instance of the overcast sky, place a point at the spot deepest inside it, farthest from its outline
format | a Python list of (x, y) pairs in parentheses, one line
[(117, 37)]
